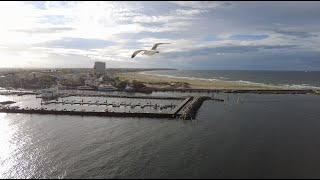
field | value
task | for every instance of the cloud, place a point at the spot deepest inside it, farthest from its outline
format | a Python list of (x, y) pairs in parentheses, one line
[(203, 4), (45, 30), (296, 33), (78, 43), (220, 50), (200, 32), (148, 19), (242, 37), (189, 12)]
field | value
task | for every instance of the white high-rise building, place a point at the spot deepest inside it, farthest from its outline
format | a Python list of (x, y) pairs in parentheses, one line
[(99, 67)]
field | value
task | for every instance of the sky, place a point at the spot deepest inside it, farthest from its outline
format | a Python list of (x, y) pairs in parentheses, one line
[(208, 35)]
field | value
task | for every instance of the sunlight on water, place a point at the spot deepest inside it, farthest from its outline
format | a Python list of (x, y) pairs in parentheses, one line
[(7, 146), (23, 151)]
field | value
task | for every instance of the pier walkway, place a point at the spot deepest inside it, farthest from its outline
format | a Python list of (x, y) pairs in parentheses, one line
[(180, 106)]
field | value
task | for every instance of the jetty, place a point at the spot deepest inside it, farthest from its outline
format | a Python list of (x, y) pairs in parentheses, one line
[(7, 102), (19, 93), (191, 110)]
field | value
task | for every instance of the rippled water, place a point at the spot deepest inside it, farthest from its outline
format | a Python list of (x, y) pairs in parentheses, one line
[(248, 136)]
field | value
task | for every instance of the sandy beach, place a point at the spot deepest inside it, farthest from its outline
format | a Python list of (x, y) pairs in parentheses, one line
[(157, 81)]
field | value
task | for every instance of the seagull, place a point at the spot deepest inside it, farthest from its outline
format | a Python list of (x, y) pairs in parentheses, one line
[(151, 52)]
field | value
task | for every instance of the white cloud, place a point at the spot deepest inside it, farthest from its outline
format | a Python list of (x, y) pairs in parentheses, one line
[(189, 12), (202, 4), (185, 24)]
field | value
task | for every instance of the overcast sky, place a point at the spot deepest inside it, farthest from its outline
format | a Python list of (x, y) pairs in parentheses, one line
[(203, 35)]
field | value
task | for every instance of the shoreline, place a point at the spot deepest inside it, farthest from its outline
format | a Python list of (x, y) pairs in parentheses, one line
[(162, 82)]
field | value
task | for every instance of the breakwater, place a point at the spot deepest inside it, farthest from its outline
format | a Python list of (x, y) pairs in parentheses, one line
[(181, 105), (19, 93), (191, 110), (91, 113), (7, 102)]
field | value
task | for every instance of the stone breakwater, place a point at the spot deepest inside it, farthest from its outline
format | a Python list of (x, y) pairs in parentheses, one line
[(89, 113), (191, 110)]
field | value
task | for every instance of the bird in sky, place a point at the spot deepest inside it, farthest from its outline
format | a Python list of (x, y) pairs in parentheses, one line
[(151, 52)]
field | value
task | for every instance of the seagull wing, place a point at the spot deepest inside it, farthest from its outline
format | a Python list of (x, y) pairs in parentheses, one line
[(136, 52), (156, 45)]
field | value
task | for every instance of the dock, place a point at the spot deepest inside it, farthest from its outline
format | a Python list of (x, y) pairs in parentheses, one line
[(98, 103), (64, 95)]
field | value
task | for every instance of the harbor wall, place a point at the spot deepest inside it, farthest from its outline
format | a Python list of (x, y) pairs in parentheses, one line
[(90, 113)]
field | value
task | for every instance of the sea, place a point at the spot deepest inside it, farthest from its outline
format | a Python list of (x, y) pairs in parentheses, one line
[(246, 136)]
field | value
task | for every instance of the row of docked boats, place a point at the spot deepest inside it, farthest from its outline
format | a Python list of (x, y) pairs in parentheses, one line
[(113, 104)]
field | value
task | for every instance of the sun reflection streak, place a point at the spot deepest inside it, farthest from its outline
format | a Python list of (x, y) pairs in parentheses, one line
[(7, 147)]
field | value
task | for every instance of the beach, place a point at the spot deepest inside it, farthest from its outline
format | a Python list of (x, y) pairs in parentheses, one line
[(158, 81)]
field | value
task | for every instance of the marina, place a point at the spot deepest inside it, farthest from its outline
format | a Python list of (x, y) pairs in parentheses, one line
[(103, 105), (182, 103), (164, 103), (113, 104)]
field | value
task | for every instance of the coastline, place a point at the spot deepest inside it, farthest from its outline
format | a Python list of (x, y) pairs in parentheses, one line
[(163, 82)]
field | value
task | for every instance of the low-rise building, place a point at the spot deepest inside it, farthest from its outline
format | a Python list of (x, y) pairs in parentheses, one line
[(50, 93)]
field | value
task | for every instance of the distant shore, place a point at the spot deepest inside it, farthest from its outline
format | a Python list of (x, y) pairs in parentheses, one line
[(163, 82)]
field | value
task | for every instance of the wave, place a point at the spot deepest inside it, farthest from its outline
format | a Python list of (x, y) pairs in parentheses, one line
[(301, 86), (223, 77), (253, 83), (291, 86)]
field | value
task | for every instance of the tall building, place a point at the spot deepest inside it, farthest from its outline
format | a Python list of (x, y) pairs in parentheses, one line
[(99, 67)]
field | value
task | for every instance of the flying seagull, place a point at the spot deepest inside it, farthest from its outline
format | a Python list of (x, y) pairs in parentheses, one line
[(148, 52)]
